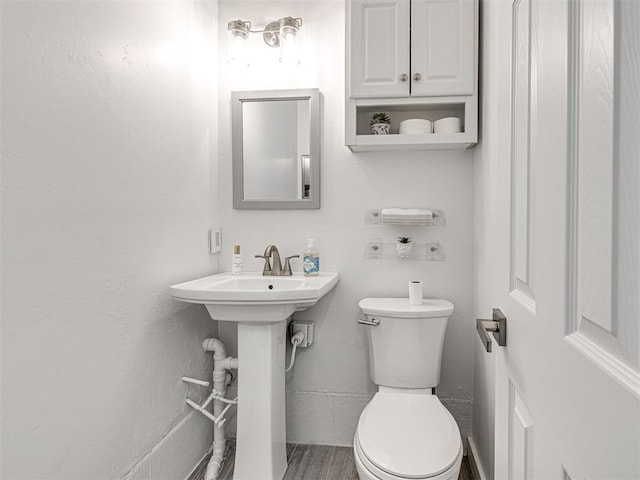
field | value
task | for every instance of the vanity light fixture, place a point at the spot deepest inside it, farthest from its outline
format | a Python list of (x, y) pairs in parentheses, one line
[(283, 34), (238, 35)]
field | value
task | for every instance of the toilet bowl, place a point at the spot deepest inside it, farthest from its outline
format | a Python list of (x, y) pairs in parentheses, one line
[(405, 432), (404, 435)]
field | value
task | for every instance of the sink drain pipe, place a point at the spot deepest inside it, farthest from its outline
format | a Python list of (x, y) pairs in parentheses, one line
[(221, 363)]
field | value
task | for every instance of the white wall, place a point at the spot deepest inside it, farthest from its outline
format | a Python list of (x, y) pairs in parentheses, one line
[(330, 384), (108, 117), (494, 109)]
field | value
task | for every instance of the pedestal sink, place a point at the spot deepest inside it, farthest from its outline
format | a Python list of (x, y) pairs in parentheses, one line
[(260, 305)]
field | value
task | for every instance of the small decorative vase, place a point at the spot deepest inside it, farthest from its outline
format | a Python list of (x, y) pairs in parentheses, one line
[(404, 250), (380, 128)]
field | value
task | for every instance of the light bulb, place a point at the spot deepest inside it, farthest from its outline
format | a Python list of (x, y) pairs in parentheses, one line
[(237, 38), (289, 54)]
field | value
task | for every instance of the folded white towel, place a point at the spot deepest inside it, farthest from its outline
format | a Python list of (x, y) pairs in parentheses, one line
[(406, 216), (418, 221), (406, 212), (405, 222)]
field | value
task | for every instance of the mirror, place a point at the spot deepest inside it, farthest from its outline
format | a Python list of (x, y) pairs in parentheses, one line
[(276, 149)]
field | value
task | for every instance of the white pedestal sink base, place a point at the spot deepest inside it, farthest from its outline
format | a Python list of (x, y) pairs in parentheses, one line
[(260, 305), (261, 450)]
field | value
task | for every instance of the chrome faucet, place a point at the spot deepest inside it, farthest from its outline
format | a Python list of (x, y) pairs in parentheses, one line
[(271, 252)]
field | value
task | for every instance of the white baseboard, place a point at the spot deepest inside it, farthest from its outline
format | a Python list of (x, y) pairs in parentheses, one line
[(474, 461), (178, 453), (197, 465)]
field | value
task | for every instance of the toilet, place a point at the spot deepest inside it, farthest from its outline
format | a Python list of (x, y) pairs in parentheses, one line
[(405, 432)]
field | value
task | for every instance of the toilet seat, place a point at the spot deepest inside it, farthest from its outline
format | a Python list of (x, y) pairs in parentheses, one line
[(408, 436), (368, 471)]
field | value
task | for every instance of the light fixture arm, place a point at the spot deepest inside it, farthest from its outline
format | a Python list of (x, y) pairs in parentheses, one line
[(272, 32)]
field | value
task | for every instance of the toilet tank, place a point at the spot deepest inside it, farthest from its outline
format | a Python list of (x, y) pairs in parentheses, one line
[(405, 348)]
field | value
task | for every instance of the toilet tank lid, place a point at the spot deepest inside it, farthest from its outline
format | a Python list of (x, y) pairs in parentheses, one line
[(399, 307)]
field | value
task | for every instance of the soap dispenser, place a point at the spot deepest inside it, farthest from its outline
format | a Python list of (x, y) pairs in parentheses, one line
[(311, 259)]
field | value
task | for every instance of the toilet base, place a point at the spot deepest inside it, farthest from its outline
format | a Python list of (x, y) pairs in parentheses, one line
[(367, 472)]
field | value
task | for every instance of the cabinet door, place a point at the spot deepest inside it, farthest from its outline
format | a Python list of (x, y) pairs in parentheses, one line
[(378, 58), (443, 39)]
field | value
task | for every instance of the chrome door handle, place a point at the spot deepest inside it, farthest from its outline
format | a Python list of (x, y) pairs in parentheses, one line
[(497, 325), (404, 77), (417, 77), (375, 321)]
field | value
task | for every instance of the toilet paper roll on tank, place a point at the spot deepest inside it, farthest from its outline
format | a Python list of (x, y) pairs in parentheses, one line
[(415, 292)]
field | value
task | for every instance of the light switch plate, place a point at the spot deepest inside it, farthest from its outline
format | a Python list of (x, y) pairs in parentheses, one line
[(215, 239)]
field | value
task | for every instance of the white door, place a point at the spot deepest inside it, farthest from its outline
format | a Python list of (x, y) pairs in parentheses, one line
[(562, 94), (378, 48), (443, 45)]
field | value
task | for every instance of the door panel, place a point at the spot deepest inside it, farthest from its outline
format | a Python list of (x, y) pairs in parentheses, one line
[(603, 202), (521, 436), (379, 48), (522, 248), (593, 118), (443, 38)]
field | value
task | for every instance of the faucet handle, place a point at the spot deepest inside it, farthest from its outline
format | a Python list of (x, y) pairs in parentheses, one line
[(287, 265), (267, 265)]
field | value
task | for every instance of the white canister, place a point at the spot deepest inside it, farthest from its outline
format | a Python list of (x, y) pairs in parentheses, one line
[(447, 125), (415, 126)]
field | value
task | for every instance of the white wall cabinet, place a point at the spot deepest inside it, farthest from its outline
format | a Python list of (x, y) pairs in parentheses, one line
[(380, 48), (442, 47), (413, 59), (402, 48)]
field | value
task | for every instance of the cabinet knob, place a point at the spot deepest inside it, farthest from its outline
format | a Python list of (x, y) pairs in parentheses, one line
[(417, 77), (404, 77)]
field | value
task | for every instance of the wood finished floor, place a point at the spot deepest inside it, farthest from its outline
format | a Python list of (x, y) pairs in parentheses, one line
[(310, 462)]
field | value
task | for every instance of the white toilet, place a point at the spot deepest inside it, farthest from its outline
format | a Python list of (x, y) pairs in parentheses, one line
[(405, 432)]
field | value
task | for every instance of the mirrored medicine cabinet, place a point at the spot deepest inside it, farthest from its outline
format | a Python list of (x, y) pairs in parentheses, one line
[(276, 149)]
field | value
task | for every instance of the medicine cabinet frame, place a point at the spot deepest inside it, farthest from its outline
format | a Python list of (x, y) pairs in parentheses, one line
[(311, 161)]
